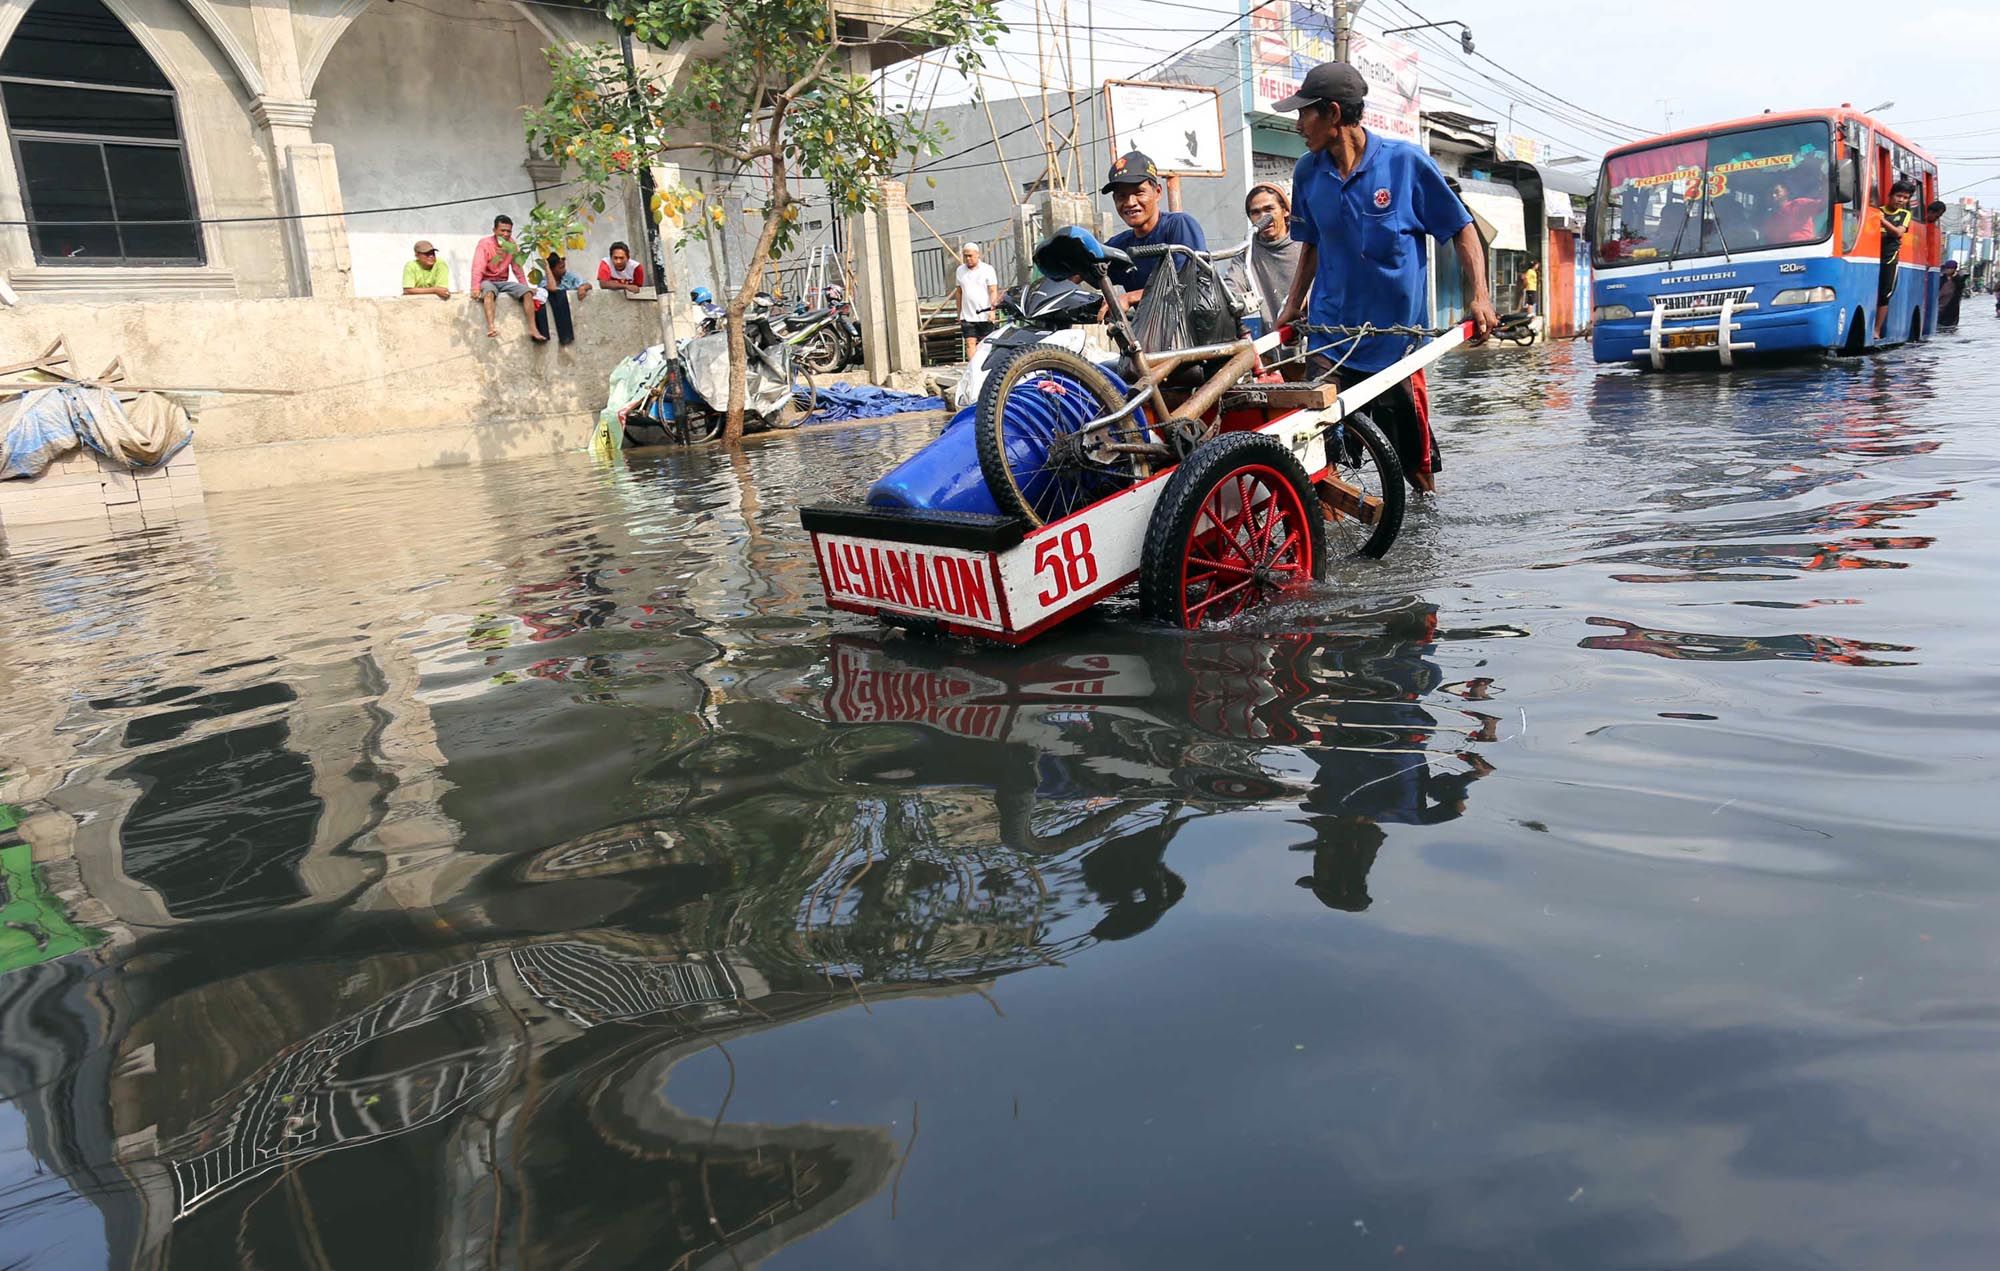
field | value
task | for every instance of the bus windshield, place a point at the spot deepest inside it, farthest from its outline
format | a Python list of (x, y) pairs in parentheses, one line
[(1732, 192)]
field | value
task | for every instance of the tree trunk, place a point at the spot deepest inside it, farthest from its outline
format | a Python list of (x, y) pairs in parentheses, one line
[(739, 354), (739, 362)]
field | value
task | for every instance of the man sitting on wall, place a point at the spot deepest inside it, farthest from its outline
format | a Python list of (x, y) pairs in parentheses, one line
[(1135, 190), (620, 272), (496, 271), (560, 285), (1363, 206), (426, 275)]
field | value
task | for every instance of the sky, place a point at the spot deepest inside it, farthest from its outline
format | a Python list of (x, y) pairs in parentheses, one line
[(1689, 62)]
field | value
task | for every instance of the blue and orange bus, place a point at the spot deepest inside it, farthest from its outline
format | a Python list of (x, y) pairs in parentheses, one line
[(1758, 236)]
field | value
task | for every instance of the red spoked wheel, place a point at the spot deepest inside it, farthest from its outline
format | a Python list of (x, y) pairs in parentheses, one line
[(1236, 526)]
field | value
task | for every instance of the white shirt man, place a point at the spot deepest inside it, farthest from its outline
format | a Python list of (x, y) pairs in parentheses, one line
[(978, 295)]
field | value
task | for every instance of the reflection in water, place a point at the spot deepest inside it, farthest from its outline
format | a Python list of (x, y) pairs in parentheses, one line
[(1187, 726), (520, 867), (1695, 646)]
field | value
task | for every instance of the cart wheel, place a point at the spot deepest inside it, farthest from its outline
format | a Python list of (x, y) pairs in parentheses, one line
[(1030, 409), (930, 628), (1363, 491), (1236, 525)]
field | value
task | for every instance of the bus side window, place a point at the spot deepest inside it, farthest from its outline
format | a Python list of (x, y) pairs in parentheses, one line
[(1856, 161)]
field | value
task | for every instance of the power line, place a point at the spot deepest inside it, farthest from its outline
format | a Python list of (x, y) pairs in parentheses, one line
[(1579, 117), (1097, 91), (312, 216)]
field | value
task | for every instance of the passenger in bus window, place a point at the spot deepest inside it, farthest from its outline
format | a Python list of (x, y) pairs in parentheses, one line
[(1794, 218)]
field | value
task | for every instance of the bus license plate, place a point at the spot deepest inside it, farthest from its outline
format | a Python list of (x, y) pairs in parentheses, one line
[(1691, 340)]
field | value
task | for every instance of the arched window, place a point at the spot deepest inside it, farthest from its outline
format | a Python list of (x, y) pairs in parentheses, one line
[(96, 141)]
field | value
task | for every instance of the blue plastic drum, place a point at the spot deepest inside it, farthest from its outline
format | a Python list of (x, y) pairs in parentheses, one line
[(944, 476)]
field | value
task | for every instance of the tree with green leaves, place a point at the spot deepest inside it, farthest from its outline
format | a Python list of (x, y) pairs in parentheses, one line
[(770, 93)]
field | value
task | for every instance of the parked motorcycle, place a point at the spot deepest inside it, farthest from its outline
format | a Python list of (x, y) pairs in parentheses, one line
[(712, 314), (1516, 327), (827, 339)]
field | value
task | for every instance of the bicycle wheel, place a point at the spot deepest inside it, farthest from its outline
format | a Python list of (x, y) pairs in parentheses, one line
[(696, 425), (1363, 493), (805, 400), (1033, 451)]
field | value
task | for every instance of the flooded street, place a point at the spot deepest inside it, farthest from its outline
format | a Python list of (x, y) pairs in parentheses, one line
[(518, 866)]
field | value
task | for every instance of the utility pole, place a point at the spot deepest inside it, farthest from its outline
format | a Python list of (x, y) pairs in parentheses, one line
[(1344, 12), (1090, 181), (660, 293)]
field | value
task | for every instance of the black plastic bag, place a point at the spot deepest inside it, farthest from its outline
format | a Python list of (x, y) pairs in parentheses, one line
[(1186, 305)]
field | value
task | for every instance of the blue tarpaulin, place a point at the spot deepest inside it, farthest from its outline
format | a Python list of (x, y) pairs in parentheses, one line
[(48, 423), (864, 401)]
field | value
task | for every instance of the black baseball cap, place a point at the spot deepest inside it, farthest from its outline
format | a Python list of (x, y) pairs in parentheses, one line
[(1132, 168), (1327, 82)]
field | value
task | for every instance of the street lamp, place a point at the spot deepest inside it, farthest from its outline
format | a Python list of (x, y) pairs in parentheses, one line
[(1878, 109), (1464, 32)]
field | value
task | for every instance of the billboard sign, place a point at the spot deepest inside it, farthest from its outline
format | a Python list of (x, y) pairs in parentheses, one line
[(1178, 125), (1287, 39)]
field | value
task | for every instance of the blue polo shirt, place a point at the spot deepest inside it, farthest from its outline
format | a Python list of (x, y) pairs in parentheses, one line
[(1172, 227), (1370, 228)]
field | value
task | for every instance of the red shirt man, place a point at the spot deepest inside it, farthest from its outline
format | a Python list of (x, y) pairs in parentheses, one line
[(621, 272), (496, 271)]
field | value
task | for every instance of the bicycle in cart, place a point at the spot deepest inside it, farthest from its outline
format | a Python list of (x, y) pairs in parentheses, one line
[(1195, 470)]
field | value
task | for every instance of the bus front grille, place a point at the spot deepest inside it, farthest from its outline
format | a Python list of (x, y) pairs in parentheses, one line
[(1701, 304)]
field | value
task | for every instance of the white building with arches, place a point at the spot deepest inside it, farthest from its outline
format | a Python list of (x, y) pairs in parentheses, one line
[(224, 192)]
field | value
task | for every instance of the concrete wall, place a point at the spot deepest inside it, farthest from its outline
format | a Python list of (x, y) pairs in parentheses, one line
[(426, 105), (381, 384)]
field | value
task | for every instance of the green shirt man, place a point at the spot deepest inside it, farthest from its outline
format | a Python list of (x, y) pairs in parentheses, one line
[(427, 275)]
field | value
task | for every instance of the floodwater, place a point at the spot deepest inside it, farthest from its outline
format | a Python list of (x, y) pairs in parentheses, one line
[(518, 867)]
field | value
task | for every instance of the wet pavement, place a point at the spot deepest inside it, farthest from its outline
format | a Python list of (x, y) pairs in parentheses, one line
[(518, 866)]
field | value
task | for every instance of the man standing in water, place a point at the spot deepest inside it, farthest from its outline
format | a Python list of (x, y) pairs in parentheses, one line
[(1895, 221), (1362, 206), (976, 291), (1951, 290)]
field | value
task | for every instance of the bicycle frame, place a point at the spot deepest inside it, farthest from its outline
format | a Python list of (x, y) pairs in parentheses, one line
[(1154, 369)]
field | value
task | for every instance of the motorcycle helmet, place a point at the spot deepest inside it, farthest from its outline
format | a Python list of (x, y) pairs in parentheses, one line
[(702, 296)]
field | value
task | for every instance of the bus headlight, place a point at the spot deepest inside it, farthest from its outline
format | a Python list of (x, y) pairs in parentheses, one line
[(1611, 313), (1803, 296)]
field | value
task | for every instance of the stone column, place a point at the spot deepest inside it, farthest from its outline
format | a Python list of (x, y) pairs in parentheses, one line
[(308, 183), (870, 288), (904, 342), (309, 189)]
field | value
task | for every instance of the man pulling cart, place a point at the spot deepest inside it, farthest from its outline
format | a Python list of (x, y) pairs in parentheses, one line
[(1193, 469), (1362, 205)]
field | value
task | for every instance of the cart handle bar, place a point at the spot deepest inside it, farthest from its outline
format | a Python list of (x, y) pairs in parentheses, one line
[(1359, 395)]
